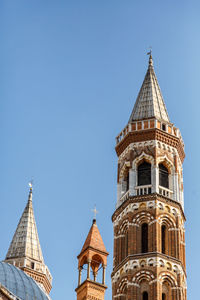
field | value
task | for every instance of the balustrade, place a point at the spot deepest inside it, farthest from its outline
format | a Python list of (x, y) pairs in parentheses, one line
[(143, 189), (165, 192)]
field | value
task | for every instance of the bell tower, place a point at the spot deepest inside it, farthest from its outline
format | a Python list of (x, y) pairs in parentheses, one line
[(149, 234), (94, 256)]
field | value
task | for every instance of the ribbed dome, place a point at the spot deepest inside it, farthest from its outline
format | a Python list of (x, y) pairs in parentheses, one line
[(20, 284)]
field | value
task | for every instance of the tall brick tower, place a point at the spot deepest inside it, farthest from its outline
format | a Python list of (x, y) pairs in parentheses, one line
[(94, 256), (149, 234)]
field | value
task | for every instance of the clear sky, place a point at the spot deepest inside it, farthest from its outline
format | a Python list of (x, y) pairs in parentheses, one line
[(70, 71)]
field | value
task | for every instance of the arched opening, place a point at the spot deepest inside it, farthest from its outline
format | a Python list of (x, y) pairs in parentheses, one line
[(167, 285), (125, 182), (145, 296), (144, 238), (163, 296), (163, 176), (95, 269), (163, 238), (144, 173)]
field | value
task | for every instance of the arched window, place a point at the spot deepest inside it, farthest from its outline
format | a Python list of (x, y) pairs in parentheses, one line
[(163, 238), (125, 183), (163, 176), (145, 296), (163, 296), (144, 238), (122, 248), (144, 173)]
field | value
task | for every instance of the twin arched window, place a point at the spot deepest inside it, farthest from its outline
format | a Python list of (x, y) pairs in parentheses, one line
[(125, 182), (163, 176), (144, 173), (163, 239), (144, 238)]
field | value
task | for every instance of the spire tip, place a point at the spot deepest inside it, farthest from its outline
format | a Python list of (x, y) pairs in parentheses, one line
[(150, 57), (30, 190), (95, 211)]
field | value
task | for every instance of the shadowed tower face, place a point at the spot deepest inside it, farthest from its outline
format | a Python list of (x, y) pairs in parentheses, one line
[(149, 234), (25, 250), (92, 261)]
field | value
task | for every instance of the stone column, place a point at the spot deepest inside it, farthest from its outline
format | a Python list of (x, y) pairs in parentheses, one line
[(79, 275), (132, 182), (104, 275), (155, 179), (88, 269), (95, 275), (119, 193), (176, 188)]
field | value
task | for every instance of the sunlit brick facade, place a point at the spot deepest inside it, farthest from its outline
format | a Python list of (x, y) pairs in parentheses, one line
[(149, 234)]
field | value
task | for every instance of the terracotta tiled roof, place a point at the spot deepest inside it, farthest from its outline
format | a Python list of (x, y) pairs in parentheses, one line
[(94, 239), (149, 103)]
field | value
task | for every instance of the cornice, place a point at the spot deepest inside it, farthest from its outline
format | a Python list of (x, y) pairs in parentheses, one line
[(146, 198), (151, 134), (146, 256)]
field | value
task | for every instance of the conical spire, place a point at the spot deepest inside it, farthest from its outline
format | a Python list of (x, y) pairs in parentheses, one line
[(94, 239), (149, 103), (25, 242)]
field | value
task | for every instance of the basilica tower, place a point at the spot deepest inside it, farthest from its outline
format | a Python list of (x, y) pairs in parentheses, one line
[(149, 234)]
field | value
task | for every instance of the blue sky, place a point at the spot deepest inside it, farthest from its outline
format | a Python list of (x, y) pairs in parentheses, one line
[(70, 72)]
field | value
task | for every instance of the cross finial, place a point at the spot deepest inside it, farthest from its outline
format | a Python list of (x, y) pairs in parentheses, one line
[(150, 56), (150, 51), (31, 184), (95, 211)]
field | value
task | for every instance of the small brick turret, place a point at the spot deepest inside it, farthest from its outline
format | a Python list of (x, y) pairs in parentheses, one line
[(94, 256)]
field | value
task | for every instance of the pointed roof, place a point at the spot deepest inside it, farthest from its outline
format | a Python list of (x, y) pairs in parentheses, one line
[(25, 242), (94, 239), (149, 103)]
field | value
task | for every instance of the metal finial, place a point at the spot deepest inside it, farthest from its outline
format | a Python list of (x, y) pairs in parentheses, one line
[(95, 211), (150, 51), (150, 56), (30, 191), (31, 184)]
